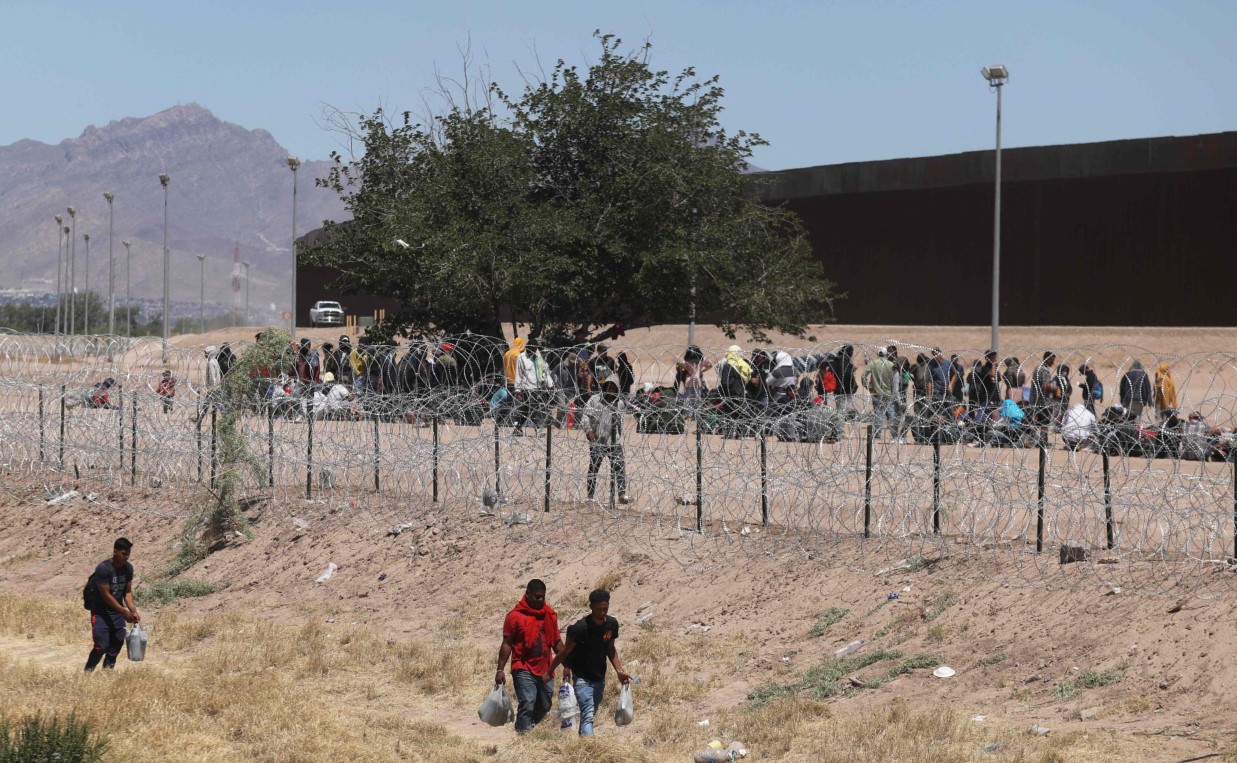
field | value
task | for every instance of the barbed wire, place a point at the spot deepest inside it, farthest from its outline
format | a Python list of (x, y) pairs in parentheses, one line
[(790, 468)]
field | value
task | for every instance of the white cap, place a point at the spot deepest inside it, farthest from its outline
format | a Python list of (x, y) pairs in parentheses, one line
[(734, 348), (881, 352)]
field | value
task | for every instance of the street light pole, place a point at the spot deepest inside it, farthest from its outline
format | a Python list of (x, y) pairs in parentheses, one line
[(293, 164), (86, 301), (246, 264), (111, 273), (59, 266), (128, 298), (163, 181), (202, 294), (66, 233), (72, 271), (996, 76)]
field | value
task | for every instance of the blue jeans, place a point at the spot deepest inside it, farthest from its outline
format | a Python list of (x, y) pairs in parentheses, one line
[(588, 695), (884, 413), (534, 695)]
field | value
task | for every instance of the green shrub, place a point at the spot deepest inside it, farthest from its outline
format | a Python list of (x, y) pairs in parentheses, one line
[(831, 616), (159, 592), (65, 740)]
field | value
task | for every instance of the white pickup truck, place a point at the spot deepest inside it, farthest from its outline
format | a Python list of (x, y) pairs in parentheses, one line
[(326, 314)]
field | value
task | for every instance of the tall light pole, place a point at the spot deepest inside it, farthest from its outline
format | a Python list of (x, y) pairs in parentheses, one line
[(996, 76), (128, 299), (86, 301), (246, 264), (202, 294), (59, 267), (73, 271), (66, 278), (111, 273), (163, 181), (293, 164)]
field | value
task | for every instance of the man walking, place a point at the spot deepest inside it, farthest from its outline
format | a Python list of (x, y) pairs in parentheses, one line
[(529, 633), (110, 594), (1135, 390), (603, 427), (590, 642)]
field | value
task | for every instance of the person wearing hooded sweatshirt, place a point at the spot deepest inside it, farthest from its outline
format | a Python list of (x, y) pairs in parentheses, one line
[(530, 633), (844, 369), (1135, 390), (734, 374), (213, 373), (1165, 392), (509, 360)]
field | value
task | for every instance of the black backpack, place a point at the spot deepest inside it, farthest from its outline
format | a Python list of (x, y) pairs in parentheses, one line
[(90, 594)]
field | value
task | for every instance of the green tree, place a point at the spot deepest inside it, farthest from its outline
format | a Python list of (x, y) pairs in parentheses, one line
[(595, 197)]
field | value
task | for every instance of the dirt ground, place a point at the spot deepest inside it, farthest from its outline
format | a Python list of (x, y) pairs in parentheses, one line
[(1022, 654)]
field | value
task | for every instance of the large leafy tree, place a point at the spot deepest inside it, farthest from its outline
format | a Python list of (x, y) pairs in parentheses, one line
[(602, 196)]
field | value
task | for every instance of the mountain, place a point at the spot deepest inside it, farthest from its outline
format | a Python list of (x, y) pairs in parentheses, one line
[(229, 185)]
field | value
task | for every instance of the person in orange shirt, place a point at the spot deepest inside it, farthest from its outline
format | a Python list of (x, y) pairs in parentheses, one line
[(509, 359)]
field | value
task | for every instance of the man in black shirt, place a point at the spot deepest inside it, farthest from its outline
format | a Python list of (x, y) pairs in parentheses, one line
[(590, 642), (112, 583)]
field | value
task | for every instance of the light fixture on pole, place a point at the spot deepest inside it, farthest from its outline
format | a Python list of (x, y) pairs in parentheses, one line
[(111, 273), (72, 271), (996, 76), (86, 289), (59, 267), (128, 299), (163, 181), (293, 164), (202, 294), (246, 264)]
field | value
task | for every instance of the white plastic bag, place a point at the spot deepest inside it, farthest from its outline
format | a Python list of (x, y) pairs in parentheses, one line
[(136, 643), (625, 711), (496, 710), (568, 706)]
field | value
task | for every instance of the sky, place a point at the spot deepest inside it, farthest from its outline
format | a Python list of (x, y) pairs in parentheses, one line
[(823, 82)]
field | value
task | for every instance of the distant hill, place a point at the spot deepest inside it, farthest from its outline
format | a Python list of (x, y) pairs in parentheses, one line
[(228, 184)]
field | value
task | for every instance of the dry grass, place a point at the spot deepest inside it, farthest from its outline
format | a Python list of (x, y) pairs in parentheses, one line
[(240, 688), (610, 581)]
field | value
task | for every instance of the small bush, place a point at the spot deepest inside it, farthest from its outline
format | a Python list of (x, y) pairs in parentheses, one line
[(1090, 679), (993, 660), (159, 592), (830, 617), (940, 605), (66, 740)]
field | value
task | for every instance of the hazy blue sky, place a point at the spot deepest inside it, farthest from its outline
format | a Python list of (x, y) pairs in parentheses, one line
[(823, 82)]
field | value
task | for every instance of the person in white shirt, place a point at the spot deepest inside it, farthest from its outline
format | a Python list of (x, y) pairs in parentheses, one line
[(331, 398), (603, 427), (532, 379), (1078, 427)]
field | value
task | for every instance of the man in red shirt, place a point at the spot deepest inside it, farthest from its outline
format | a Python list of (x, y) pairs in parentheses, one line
[(530, 632)]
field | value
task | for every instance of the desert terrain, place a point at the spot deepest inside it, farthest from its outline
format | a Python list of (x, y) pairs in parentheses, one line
[(389, 658)]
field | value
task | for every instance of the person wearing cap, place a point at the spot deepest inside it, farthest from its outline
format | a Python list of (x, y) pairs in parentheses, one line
[(214, 374), (878, 380), (530, 634), (446, 371), (331, 399)]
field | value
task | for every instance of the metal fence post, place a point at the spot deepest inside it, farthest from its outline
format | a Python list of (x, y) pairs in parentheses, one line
[(270, 446), (498, 483), (63, 389), (549, 444), (133, 443), (434, 465), (1039, 513), (214, 437), (377, 457), (198, 427), (867, 486), (936, 486), (120, 426), (764, 478), (309, 458), (699, 478), (42, 426), (1108, 522)]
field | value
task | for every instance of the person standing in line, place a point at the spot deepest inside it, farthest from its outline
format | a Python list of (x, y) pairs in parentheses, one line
[(1165, 392), (603, 427), (1044, 390), (878, 380), (1089, 384), (590, 643), (214, 374), (1135, 390), (167, 391), (691, 373), (110, 590)]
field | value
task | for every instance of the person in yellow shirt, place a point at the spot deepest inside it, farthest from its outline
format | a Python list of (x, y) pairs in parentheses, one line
[(509, 359)]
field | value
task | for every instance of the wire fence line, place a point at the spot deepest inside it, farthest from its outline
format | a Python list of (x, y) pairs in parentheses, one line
[(705, 478)]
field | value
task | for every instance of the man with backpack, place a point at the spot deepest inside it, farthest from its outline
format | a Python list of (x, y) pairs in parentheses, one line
[(590, 643), (109, 597)]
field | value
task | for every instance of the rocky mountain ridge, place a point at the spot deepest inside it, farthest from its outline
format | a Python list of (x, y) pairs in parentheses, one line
[(230, 186)]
